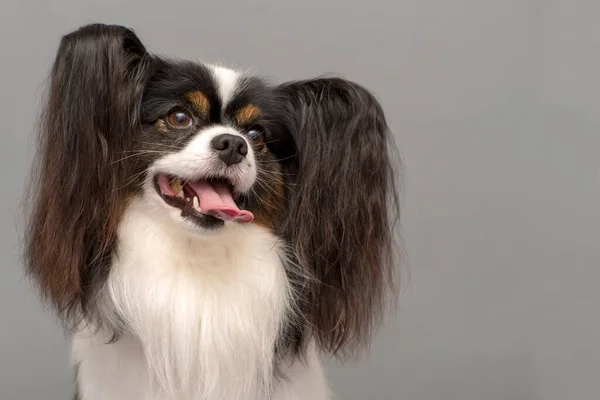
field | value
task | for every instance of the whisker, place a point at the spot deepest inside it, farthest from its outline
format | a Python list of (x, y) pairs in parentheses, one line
[(279, 181), (130, 180), (260, 200), (271, 141), (265, 186), (270, 191), (137, 153), (276, 160), (263, 202), (163, 145), (144, 151)]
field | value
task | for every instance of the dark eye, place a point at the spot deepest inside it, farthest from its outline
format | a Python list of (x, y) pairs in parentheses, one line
[(179, 119), (257, 135)]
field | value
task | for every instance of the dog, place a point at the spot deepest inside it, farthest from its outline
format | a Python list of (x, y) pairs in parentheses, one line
[(205, 233)]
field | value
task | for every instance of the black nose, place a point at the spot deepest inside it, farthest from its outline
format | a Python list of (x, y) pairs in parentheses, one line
[(231, 148)]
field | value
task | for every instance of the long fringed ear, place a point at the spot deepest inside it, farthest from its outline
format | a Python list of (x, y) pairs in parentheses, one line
[(343, 209), (74, 195)]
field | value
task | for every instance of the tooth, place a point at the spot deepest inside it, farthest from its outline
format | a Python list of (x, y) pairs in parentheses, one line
[(181, 194), (196, 204), (176, 185)]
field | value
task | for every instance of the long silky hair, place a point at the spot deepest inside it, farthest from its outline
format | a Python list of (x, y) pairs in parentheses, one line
[(77, 190), (344, 209)]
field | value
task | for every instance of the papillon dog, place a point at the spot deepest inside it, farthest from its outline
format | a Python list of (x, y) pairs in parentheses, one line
[(206, 234)]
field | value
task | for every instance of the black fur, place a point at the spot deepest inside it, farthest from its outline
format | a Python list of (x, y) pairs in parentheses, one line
[(343, 209)]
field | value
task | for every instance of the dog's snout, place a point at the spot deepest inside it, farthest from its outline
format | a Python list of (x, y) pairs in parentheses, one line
[(231, 148)]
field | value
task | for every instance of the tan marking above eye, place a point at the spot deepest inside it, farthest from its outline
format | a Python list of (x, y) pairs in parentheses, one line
[(247, 115), (199, 102)]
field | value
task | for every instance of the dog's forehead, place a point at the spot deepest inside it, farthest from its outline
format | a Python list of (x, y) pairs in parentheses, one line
[(211, 91), (227, 82), (242, 96)]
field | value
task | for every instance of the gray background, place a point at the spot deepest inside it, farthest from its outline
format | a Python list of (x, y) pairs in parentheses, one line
[(495, 108)]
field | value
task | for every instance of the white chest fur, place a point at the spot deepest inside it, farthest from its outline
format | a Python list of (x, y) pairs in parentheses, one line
[(203, 314)]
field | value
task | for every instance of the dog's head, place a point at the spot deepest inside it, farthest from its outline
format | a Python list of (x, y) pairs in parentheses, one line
[(206, 147)]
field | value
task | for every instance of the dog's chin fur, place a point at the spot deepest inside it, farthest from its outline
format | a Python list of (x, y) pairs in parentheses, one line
[(204, 311)]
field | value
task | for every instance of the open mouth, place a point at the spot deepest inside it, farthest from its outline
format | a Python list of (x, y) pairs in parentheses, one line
[(207, 202)]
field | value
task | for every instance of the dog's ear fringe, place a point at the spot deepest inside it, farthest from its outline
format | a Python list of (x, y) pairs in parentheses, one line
[(73, 199), (344, 210)]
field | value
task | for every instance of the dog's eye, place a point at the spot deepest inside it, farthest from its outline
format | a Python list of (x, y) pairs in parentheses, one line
[(179, 119), (257, 135)]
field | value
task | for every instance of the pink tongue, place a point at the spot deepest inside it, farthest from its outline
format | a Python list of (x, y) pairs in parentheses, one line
[(216, 199)]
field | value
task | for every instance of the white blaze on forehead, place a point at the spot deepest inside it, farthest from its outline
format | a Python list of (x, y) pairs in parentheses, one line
[(226, 80)]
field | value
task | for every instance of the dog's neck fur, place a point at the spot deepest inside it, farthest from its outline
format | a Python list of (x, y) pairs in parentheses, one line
[(203, 315)]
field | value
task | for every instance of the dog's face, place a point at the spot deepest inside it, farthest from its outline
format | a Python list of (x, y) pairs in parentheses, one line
[(209, 150)]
